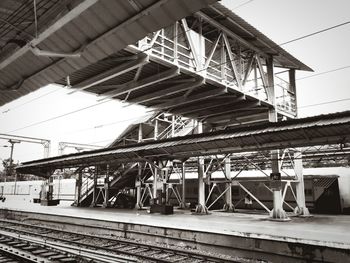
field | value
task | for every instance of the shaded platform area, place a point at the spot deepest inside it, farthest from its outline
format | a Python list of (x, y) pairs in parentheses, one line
[(319, 238)]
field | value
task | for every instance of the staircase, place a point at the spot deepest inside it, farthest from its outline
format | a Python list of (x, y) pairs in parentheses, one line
[(125, 175)]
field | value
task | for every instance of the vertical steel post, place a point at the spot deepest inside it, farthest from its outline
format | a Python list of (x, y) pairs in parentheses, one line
[(301, 209), (12, 142), (201, 208), (155, 185), (78, 185), (228, 206), (277, 212), (156, 129), (172, 126), (94, 193), (106, 188), (138, 187), (292, 88), (183, 187)]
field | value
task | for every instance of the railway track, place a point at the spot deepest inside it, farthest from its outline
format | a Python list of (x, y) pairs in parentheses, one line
[(77, 247)]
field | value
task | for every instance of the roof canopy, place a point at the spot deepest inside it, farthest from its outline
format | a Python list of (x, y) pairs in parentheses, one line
[(319, 130)]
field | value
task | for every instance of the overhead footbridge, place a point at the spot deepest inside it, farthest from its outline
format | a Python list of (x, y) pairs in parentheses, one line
[(318, 130), (191, 58)]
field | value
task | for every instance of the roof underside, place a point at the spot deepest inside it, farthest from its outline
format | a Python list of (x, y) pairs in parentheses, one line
[(319, 130), (98, 28)]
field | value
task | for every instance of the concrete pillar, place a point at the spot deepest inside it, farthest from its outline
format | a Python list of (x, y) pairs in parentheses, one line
[(106, 189), (183, 186), (201, 208), (301, 209), (228, 206), (277, 212)]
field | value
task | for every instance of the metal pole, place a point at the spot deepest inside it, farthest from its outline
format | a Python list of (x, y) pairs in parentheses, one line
[(183, 199), (201, 208), (277, 213), (228, 196), (106, 187), (12, 142)]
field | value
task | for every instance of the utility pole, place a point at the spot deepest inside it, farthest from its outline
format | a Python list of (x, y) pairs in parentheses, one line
[(13, 142)]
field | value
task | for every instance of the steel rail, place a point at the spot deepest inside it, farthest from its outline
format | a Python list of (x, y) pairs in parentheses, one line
[(145, 248)]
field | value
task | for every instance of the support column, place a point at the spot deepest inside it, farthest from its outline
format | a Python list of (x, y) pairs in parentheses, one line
[(155, 185), (228, 206), (94, 193), (46, 196), (138, 188), (301, 209), (201, 208), (106, 189), (156, 129), (78, 185), (277, 212), (183, 186)]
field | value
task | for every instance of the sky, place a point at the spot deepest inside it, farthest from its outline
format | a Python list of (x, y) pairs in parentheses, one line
[(280, 20)]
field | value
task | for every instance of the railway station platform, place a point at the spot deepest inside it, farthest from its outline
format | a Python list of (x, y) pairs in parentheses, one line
[(319, 238)]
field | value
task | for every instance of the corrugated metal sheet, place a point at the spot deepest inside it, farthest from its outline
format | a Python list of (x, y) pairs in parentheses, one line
[(319, 130), (103, 29)]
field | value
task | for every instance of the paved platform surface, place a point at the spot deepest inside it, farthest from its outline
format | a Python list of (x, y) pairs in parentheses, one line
[(324, 230)]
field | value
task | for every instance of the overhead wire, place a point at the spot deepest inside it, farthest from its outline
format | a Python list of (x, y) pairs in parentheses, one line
[(315, 33), (243, 4), (325, 72), (57, 117), (323, 103), (34, 99)]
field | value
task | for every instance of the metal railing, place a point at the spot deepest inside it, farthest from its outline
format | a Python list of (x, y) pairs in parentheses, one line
[(172, 48)]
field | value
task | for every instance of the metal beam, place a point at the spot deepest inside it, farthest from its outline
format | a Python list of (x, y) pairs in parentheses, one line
[(75, 12), (135, 85), (208, 105), (200, 96), (228, 117), (237, 74), (248, 106), (112, 73), (224, 29), (191, 83)]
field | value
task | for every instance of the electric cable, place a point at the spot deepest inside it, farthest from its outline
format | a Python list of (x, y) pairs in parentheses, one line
[(34, 99), (243, 4), (57, 117), (323, 103), (315, 33), (325, 72)]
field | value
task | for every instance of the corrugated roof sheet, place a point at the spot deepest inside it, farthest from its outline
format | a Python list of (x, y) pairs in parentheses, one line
[(318, 130)]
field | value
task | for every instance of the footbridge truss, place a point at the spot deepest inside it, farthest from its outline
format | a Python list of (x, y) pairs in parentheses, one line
[(211, 66)]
